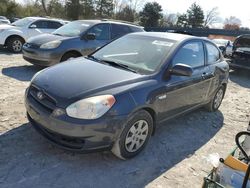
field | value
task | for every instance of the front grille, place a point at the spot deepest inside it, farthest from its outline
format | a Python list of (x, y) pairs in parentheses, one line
[(73, 143), (30, 45), (47, 102)]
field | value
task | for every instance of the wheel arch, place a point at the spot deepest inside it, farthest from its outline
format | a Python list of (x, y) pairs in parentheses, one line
[(152, 112), (71, 52), (12, 36)]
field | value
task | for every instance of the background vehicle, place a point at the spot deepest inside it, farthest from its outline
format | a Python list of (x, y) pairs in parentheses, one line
[(241, 53), (226, 46), (4, 20), (113, 98), (14, 36), (75, 39)]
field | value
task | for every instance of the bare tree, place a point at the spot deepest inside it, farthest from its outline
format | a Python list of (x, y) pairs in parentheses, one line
[(168, 20), (232, 23), (211, 17)]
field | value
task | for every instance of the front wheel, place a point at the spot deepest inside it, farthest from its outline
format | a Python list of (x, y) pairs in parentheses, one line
[(15, 44), (135, 135), (215, 103)]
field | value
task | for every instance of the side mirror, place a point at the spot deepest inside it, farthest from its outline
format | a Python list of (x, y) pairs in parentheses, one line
[(181, 70), (33, 26), (90, 36)]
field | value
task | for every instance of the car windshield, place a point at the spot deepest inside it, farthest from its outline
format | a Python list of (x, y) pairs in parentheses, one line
[(143, 54), (72, 29), (22, 22)]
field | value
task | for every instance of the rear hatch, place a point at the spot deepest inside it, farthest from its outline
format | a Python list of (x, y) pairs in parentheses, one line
[(241, 51)]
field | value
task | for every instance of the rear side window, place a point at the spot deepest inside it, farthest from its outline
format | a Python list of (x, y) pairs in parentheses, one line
[(213, 54), (119, 30), (136, 29), (191, 54), (54, 25)]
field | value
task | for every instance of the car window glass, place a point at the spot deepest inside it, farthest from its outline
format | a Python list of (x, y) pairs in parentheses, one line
[(119, 30), (101, 31), (41, 24), (54, 25), (213, 54), (191, 54)]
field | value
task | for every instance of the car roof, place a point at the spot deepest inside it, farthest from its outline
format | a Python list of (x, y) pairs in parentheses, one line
[(92, 22), (43, 18), (165, 35)]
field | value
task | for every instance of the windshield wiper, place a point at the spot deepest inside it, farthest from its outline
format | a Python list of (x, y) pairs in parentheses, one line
[(91, 57), (118, 65), (57, 34)]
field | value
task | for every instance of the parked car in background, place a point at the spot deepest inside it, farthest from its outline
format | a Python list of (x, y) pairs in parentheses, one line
[(15, 35), (241, 53), (113, 98), (4, 20), (78, 38), (226, 46)]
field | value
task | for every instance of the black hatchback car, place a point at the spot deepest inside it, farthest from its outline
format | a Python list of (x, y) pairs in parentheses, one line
[(241, 53), (77, 38), (113, 98)]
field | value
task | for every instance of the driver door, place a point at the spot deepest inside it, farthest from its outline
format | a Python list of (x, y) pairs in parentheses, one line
[(183, 93)]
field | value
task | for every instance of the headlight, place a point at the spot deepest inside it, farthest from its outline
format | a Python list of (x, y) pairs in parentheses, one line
[(51, 45), (91, 108)]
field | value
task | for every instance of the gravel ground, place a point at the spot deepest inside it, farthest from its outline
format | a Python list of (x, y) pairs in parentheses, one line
[(174, 157)]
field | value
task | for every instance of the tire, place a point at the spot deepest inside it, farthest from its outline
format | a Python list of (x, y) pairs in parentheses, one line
[(134, 136), (15, 44), (68, 56), (215, 103)]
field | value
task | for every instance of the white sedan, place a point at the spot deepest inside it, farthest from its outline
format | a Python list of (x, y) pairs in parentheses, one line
[(15, 35)]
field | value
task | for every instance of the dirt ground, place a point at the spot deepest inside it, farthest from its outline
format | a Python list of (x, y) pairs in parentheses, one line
[(175, 156)]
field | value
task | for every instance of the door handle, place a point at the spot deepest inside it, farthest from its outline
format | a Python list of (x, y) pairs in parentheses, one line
[(207, 75)]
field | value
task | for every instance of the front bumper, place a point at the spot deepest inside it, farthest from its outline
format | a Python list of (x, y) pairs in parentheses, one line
[(74, 134), (41, 57)]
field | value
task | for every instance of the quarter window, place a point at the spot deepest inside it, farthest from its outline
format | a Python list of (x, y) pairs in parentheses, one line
[(213, 54), (101, 31), (191, 54)]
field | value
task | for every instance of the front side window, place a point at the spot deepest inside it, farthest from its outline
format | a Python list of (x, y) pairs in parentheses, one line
[(101, 31), (141, 53), (119, 30), (191, 54), (41, 24), (213, 54)]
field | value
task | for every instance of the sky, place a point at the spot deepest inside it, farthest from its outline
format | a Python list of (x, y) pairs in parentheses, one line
[(226, 8)]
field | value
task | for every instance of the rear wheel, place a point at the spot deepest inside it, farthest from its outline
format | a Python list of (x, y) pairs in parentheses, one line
[(215, 103), (135, 135), (15, 44), (69, 56)]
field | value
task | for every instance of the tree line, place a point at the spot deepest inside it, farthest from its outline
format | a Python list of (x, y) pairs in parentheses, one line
[(147, 14)]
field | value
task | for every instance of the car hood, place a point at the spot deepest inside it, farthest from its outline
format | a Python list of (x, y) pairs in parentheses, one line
[(7, 26), (44, 38), (81, 78)]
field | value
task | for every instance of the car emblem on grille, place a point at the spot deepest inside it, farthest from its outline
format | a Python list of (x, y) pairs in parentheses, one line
[(40, 95)]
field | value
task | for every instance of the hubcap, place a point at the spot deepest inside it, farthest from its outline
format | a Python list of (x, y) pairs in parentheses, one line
[(136, 136), (17, 45), (218, 98)]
